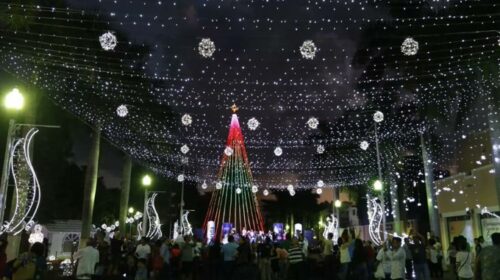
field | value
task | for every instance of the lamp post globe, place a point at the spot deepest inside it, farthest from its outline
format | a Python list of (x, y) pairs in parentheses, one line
[(14, 100), (377, 185), (146, 180)]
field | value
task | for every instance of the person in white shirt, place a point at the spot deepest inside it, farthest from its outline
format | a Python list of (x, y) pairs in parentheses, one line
[(398, 259), (88, 258), (143, 250), (464, 260), (384, 257)]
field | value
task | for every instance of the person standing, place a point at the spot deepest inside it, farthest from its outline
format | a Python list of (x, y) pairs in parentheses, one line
[(419, 255), (143, 250), (464, 260), (328, 255), (398, 258), (487, 265), (359, 261), (187, 257), (345, 254), (165, 254), (408, 261), (296, 260), (229, 253), (88, 258), (264, 250), (384, 259)]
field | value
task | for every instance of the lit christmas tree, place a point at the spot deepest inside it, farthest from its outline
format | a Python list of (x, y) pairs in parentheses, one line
[(233, 202)]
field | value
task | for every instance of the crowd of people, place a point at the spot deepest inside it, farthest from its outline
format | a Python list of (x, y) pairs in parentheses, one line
[(186, 258)]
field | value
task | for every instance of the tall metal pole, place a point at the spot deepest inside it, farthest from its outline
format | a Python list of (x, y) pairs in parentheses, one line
[(145, 213), (181, 207), (125, 193), (381, 197), (90, 187), (5, 170), (429, 188)]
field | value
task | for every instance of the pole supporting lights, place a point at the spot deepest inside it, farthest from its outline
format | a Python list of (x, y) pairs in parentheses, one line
[(14, 100)]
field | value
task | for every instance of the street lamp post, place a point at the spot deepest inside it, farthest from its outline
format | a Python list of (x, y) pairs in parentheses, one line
[(146, 182), (378, 184)]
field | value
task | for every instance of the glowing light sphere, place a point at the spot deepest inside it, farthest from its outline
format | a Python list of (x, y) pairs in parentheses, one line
[(186, 119), (253, 124), (206, 47), (320, 149), (122, 111), (108, 41), (104, 226), (218, 185), (292, 193), (338, 203), (14, 100), (313, 123), (319, 191), (228, 151), (377, 185), (255, 189), (146, 180), (409, 47), (278, 151), (308, 49), (378, 116), (320, 184), (204, 185), (238, 190), (289, 187), (184, 149), (181, 178), (364, 145), (265, 192)]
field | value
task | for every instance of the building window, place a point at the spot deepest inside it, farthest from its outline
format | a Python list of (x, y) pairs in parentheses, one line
[(70, 241)]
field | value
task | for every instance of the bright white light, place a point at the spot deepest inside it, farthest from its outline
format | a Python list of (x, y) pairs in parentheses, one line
[(409, 46), (289, 187), (206, 47), (378, 116), (253, 123), (186, 119), (319, 191), (184, 149), (278, 151), (292, 193), (146, 180), (338, 203), (122, 111), (308, 49), (265, 192), (228, 151), (255, 189), (364, 145), (320, 149), (320, 184), (377, 185), (14, 100), (104, 226), (238, 190), (218, 185), (313, 123), (181, 178), (108, 41), (204, 185)]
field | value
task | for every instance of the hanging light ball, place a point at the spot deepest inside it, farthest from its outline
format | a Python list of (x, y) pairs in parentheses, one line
[(238, 190), (122, 111), (206, 47), (181, 178), (255, 189), (265, 192), (184, 149), (204, 185), (320, 184), (308, 49), (228, 151), (108, 41), (409, 46), (364, 145), (253, 123), (218, 185), (289, 187), (313, 123), (278, 151), (186, 119), (378, 116), (319, 191), (292, 193), (320, 149)]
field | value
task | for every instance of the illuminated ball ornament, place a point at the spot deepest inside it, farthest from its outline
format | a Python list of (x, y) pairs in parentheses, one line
[(320, 149), (364, 145), (378, 116), (255, 189), (292, 193), (238, 190), (253, 123), (409, 46), (377, 185), (122, 111), (313, 123), (308, 49), (184, 149), (228, 151), (206, 47), (181, 178), (278, 151), (204, 185), (186, 119), (108, 41), (289, 187), (218, 185), (265, 192), (319, 191), (320, 184)]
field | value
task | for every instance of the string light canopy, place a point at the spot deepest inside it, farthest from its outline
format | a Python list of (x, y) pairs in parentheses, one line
[(179, 65)]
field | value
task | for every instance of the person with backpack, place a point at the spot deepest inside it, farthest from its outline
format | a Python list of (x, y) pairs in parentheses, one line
[(463, 260)]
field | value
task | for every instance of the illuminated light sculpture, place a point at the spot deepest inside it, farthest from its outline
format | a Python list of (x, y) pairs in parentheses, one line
[(308, 49), (278, 151), (409, 46), (27, 187), (228, 205), (364, 145), (122, 111), (186, 119), (331, 226), (313, 123), (375, 216), (181, 178), (206, 47), (186, 228), (378, 116), (184, 149), (320, 149), (108, 41), (204, 185), (154, 225), (253, 123)]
